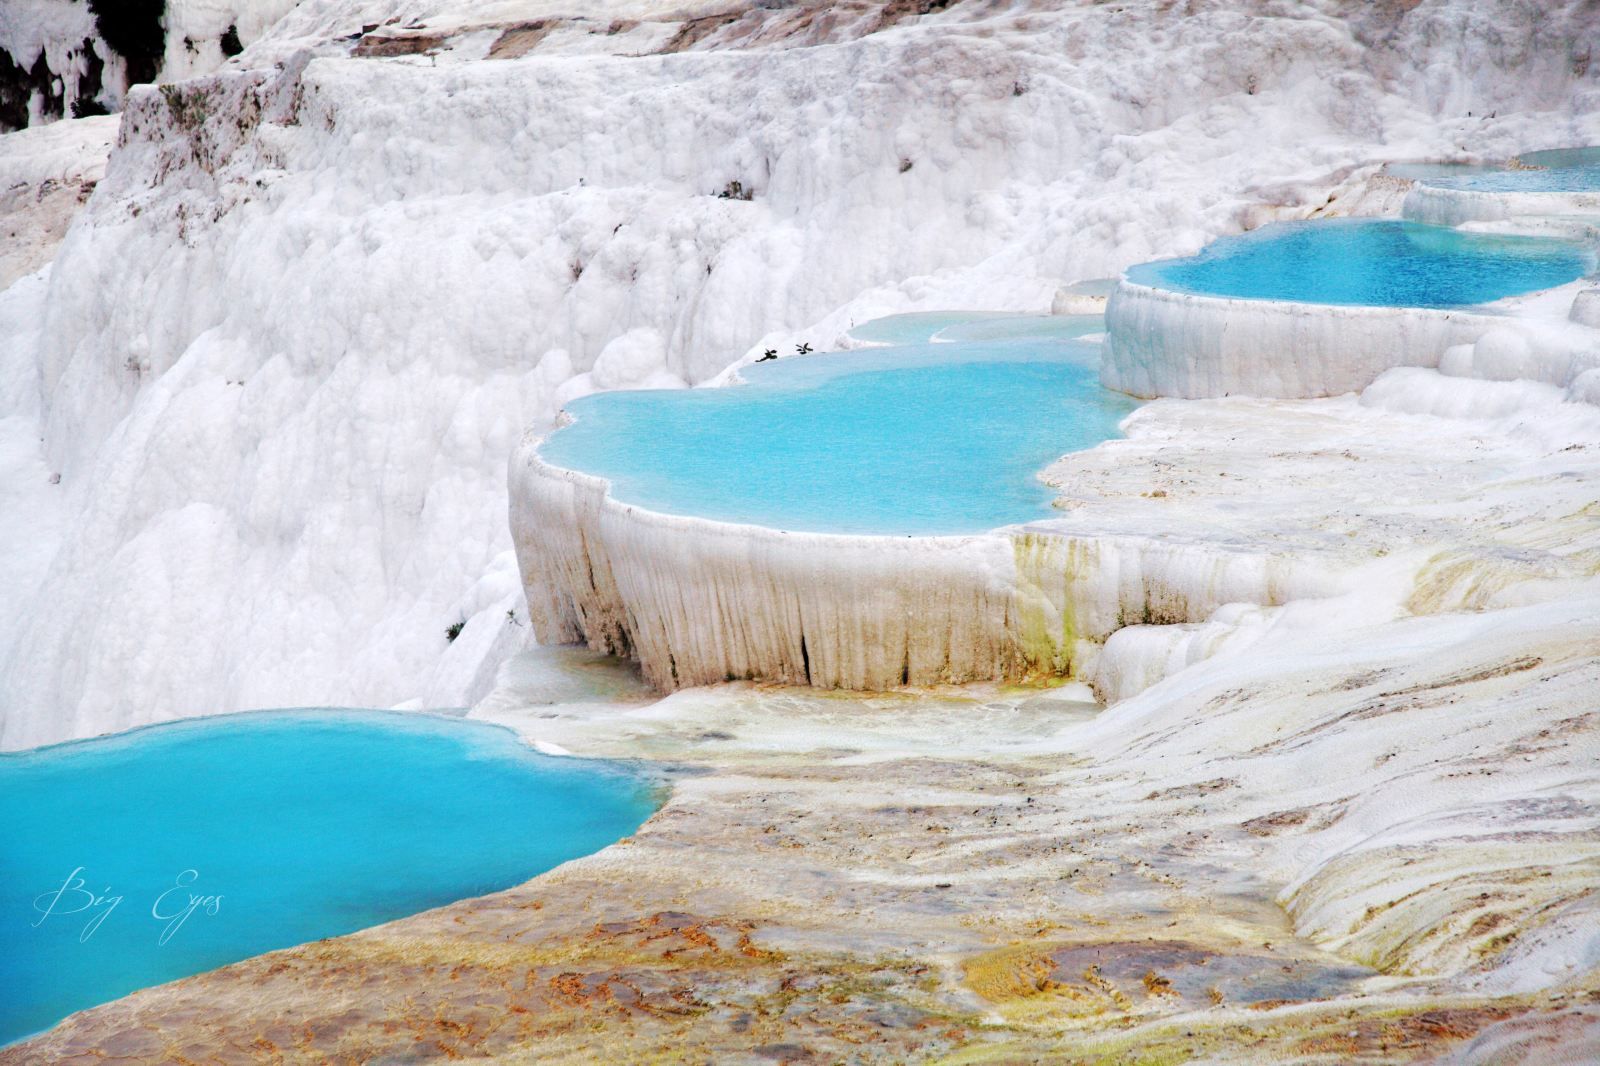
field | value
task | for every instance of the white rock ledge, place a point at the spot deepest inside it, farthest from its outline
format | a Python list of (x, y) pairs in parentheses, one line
[(697, 602), (1162, 342), (1456, 207)]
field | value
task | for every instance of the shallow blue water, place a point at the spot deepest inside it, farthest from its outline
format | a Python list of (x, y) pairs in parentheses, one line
[(1427, 173), (1016, 327), (917, 327), (1583, 156), (923, 327), (927, 439), (1551, 179), (1556, 170), (1385, 263), (1559, 170), (307, 824)]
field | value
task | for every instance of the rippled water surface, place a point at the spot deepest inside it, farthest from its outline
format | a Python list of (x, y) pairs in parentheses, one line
[(140, 858), (933, 438), (1383, 263)]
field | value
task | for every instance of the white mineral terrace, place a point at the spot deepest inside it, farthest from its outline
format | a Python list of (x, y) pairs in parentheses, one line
[(1456, 207), (699, 601), (1155, 563), (1160, 342), (1294, 755), (1163, 553)]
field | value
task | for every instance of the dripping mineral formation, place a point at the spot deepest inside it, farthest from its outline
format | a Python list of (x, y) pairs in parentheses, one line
[(1270, 737)]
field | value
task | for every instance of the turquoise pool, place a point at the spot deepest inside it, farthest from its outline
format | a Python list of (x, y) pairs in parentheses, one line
[(302, 824), (924, 439), (916, 327), (1022, 327), (1555, 170), (1381, 263), (1429, 173), (925, 327)]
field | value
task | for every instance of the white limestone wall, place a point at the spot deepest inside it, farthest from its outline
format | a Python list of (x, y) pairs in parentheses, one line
[(1166, 343), (1456, 207), (698, 602), (404, 261)]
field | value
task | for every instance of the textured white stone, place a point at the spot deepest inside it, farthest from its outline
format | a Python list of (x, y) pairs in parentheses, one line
[(1586, 308), (1169, 532), (1456, 207), (1161, 342), (698, 601), (46, 176), (281, 364), (65, 33)]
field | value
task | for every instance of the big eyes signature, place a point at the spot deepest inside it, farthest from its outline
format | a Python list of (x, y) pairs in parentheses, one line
[(172, 908)]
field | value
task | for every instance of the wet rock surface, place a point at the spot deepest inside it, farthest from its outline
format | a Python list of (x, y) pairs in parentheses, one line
[(836, 879)]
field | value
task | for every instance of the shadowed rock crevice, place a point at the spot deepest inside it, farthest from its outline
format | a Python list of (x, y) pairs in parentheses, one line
[(135, 31), (19, 84)]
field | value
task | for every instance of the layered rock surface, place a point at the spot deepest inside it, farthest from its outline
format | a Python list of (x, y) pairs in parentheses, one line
[(1358, 843), (1345, 808), (288, 345), (1172, 526)]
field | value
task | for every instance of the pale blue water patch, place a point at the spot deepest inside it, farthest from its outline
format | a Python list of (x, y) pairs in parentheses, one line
[(922, 327), (1552, 179), (916, 327), (1555, 170), (929, 439), (1011, 327), (1383, 263), (572, 673), (1427, 173), (1588, 156), (304, 824), (1091, 287)]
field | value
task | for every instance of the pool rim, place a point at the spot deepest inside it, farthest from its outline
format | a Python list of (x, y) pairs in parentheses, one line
[(652, 776), (533, 441), (1590, 250)]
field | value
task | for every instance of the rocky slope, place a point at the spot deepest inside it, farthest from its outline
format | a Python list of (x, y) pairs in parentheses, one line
[(288, 345)]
